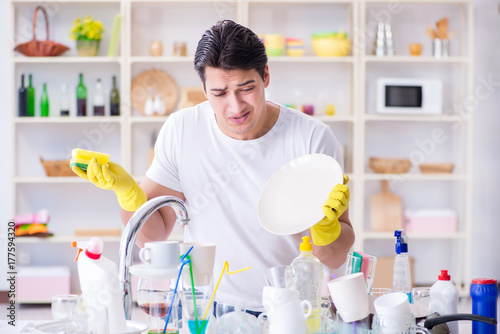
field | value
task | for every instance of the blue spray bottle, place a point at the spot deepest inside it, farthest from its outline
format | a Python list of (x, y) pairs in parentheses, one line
[(401, 279)]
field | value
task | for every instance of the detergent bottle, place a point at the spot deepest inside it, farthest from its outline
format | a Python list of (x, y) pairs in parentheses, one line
[(101, 287), (401, 276), (309, 271), (444, 299)]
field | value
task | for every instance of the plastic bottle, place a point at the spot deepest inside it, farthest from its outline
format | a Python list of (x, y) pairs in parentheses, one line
[(401, 276), (484, 294), (100, 286), (444, 298), (309, 272)]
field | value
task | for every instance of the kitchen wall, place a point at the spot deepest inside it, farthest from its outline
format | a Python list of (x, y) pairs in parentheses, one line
[(486, 246)]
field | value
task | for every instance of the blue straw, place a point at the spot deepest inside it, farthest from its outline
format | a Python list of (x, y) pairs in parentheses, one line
[(183, 263)]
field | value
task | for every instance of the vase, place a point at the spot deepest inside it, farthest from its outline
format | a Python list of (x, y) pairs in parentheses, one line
[(87, 48)]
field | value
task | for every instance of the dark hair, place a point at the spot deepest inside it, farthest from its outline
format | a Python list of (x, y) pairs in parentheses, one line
[(228, 45)]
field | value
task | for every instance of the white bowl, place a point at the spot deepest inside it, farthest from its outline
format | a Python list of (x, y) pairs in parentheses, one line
[(292, 199)]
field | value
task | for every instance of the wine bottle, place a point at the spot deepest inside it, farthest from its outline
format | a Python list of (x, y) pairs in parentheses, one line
[(114, 100), (81, 98), (44, 102), (98, 99), (31, 98), (23, 99), (64, 102)]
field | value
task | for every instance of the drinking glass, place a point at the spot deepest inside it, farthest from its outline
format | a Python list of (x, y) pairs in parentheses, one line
[(232, 318), (154, 297), (63, 306), (421, 297)]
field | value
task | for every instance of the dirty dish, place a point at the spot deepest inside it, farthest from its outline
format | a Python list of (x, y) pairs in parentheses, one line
[(292, 199)]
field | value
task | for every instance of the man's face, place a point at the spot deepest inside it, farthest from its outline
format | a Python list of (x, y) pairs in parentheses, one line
[(238, 99)]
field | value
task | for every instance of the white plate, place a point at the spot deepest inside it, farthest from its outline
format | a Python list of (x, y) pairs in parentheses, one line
[(292, 199), (133, 327), (143, 270)]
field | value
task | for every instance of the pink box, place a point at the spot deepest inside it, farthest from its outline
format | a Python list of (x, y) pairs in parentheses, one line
[(38, 284), (431, 221)]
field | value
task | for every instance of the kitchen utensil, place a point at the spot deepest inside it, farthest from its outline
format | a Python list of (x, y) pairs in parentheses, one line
[(392, 304), (292, 199), (232, 318), (158, 83), (191, 96), (430, 32), (35, 48), (434, 320), (442, 26), (396, 325), (350, 297), (421, 306), (386, 210)]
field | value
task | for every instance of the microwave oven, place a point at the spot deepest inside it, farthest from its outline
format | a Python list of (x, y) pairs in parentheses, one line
[(409, 96)]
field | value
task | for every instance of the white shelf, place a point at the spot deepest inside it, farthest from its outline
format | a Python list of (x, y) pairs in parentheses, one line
[(335, 118), (147, 119), (67, 120), (310, 59), (300, 1), (70, 238), (412, 236), (66, 60), (412, 118), (148, 59), (419, 2), (410, 59), (49, 180), (415, 177)]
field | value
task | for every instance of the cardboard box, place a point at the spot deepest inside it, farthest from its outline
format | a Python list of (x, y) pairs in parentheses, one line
[(384, 270), (435, 221), (38, 284)]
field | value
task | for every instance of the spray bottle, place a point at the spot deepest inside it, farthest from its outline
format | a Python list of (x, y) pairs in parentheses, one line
[(401, 279), (444, 298), (100, 287)]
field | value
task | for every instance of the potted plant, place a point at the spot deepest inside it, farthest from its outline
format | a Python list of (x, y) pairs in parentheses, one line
[(87, 33)]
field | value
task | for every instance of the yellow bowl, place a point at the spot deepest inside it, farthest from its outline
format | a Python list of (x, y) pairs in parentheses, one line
[(331, 46)]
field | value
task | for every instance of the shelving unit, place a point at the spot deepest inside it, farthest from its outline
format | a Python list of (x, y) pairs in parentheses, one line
[(346, 82)]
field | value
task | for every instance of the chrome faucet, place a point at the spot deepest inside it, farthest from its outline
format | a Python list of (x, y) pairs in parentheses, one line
[(129, 238)]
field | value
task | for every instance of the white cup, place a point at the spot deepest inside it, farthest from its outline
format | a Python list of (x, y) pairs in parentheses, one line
[(350, 296), (273, 297), (202, 261), (288, 318), (392, 304), (161, 254)]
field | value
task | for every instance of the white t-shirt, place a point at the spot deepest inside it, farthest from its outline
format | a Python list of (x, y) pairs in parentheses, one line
[(222, 178)]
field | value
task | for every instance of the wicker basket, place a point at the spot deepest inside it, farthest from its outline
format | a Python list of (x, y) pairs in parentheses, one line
[(57, 167), (387, 165), (45, 48), (436, 168)]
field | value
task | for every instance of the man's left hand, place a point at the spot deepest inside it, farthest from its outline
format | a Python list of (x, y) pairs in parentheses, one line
[(328, 229)]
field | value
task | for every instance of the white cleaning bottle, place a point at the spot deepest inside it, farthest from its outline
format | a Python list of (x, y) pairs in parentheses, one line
[(401, 276), (444, 299), (309, 271), (101, 287)]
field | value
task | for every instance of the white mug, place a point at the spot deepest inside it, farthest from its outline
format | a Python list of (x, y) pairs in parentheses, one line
[(288, 318), (273, 297), (161, 254)]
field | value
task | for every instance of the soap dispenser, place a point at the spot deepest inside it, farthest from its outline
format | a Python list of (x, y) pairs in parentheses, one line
[(309, 272)]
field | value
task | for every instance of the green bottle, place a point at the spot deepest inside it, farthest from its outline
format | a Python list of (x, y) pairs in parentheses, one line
[(31, 98), (114, 100), (44, 102), (81, 98)]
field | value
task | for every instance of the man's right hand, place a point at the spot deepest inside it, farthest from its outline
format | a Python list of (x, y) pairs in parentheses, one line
[(112, 176)]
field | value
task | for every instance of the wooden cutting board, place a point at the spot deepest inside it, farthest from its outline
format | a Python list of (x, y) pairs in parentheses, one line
[(386, 210)]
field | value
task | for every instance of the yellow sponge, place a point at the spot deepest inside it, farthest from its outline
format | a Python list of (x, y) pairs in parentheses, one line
[(81, 158)]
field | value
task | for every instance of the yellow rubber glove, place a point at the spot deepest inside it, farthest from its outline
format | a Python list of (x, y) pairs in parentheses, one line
[(328, 229), (112, 176)]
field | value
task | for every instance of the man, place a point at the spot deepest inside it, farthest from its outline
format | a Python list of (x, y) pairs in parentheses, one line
[(218, 156)]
